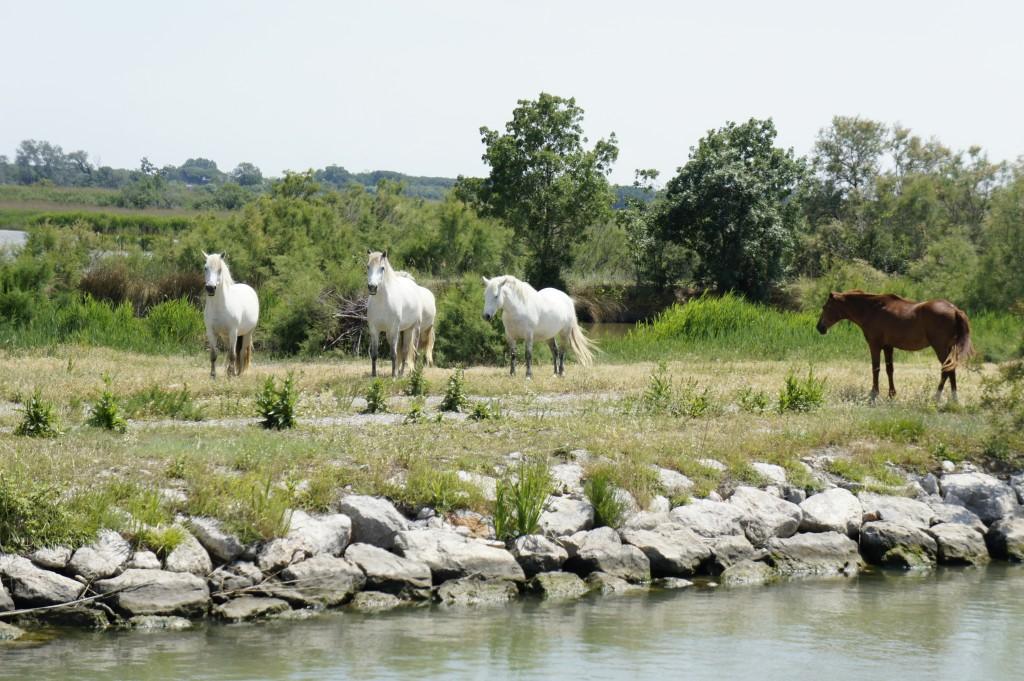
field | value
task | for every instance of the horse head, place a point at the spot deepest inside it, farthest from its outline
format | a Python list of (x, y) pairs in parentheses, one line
[(494, 296), (213, 271), (832, 311), (378, 261)]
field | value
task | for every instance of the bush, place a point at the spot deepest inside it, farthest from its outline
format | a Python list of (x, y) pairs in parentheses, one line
[(376, 397), (277, 406), (802, 395), (156, 401), (463, 336), (600, 491), (520, 500), (426, 486), (455, 394), (417, 385), (106, 412), (754, 401), (483, 411), (39, 419), (33, 515)]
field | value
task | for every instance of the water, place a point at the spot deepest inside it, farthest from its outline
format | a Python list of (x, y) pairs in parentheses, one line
[(607, 330), (955, 624)]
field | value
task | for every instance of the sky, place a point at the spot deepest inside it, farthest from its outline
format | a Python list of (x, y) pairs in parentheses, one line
[(406, 85)]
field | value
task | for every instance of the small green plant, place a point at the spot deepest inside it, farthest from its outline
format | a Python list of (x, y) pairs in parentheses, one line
[(39, 419), (277, 405), (417, 385), (106, 411), (157, 401), (376, 397), (658, 396), (802, 395), (600, 491), (483, 411), (415, 414), (520, 500), (900, 428), (33, 515), (693, 403), (754, 401), (455, 394), (442, 490)]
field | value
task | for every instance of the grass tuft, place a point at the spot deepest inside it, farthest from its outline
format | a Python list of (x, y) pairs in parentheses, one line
[(520, 500)]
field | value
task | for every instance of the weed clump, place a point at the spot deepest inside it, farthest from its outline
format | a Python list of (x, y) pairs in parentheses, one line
[(277, 405), (376, 397), (520, 500), (484, 411), (106, 411), (417, 385), (753, 401), (38, 418), (455, 394), (600, 491), (157, 401), (802, 395)]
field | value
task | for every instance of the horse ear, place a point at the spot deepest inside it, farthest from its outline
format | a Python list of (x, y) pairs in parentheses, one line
[(384, 254), (486, 280), (205, 255), (369, 251), (832, 295)]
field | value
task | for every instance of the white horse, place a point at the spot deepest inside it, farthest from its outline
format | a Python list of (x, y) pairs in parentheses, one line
[(533, 315), (428, 312), (231, 313), (396, 308)]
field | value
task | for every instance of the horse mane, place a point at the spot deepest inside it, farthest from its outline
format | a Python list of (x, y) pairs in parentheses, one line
[(520, 288), (403, 273), (877, 298), (225, 273)]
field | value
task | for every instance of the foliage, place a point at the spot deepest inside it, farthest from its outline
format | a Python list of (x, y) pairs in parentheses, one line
[(463, 335), (601, 492), (455, 398), (442, 490), (376, 397), (38, 418), (732, 205), (485, 411), (277, 405), (106, 412), (417, 384), (32, 515), (802, 395), (157, 401), (543, 182), (754, 401), (520, 500)]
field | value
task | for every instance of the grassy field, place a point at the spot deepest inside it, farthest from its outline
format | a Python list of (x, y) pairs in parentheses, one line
[(224, 464)]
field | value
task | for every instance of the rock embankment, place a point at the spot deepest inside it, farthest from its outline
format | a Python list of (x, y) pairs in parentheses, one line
[(370, 556)]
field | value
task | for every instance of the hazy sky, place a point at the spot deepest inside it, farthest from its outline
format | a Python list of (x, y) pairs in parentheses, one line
[(406, 85)]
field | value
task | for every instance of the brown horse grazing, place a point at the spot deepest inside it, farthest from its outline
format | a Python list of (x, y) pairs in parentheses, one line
[(889, 321)]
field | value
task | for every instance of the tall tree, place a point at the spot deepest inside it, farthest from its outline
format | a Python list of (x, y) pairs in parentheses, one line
[(544, 183), (247, 174), (848, 153), (733, 204)]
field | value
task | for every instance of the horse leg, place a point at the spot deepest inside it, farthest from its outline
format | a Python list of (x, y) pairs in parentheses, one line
[(888, 370), (374, 349), (512, 356), (233, 353), (529, 356), (554, 353), (952, 387), (394, 336), (942, 384), (211, 339), (876, 366)]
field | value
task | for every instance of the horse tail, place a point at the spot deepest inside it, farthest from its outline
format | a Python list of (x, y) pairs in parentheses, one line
[(963, 348), (581, 346), (243, 350), (427, 345)]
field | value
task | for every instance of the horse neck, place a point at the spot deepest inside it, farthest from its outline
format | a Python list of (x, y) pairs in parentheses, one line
[(859, 306), (517, 296), (388, 280)]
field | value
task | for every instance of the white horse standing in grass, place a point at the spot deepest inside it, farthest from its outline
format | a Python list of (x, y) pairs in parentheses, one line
[(401, 309), (531, 315), (231, 313)]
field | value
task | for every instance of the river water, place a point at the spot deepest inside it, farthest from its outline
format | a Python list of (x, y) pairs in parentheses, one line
[(949, 624)]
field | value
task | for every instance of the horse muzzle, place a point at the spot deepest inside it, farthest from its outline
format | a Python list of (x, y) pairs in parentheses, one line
[(822, 329), (372, 289), (210, 290), (487, 317)]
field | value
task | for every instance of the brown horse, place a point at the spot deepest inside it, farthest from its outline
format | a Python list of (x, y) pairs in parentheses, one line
[(889, 321)]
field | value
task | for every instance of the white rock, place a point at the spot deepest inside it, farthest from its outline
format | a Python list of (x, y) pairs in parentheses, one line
[(567, 478), (673, 550), (144, 560), (536, 553), (673, 482), (103, 558), (834, 510), (374, 520), (321, 534), (775, 475), (659, 504), (31, 586), (565, 515), (988, 497), (899, 510), (765, 516), (487, 485), (713, 464), (54, 558), (709, 518), (451, 556), (221, 544)]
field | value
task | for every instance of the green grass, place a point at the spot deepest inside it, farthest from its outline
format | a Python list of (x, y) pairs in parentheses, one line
[(600, 491), (520, 500)]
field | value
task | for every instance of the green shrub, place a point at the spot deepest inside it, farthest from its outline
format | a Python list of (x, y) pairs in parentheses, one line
[(600, 491), (464, 337), (39, 419), (802, 395), (417, 385), (376, 397), (483, 411), (455, 393), (754, 401), (415, 414), (106, 412), (33, 515), (442, 490), (658, 395), (277, 406), (520, 500), (909, 428)]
